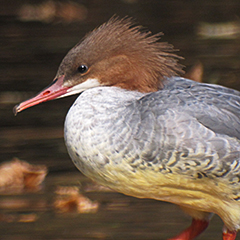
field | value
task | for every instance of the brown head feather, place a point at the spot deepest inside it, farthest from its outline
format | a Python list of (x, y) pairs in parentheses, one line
[(121, 54)]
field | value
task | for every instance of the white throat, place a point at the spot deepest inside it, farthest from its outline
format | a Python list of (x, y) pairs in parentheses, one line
[(89, 83)]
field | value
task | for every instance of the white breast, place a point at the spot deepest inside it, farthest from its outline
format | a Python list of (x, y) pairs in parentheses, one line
[(94, 128)]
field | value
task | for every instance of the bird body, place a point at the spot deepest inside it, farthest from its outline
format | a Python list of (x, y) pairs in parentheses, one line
[(156, 145), (141, 130)]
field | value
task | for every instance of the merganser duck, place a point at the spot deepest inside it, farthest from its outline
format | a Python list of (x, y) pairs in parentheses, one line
[(141, 130)]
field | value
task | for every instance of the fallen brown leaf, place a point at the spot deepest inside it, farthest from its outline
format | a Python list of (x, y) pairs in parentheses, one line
[(17, 175), (69, 199)]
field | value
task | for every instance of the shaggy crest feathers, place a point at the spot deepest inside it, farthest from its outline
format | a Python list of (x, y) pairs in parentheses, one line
[(145, 61)]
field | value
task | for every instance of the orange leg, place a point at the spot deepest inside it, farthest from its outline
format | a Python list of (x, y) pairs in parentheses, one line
[(196, 228), (229, 235)]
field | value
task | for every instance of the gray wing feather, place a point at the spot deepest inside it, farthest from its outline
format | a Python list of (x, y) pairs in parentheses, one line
[(216, 107), (197, 123)]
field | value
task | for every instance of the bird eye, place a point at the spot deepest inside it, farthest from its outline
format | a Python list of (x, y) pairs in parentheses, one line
[(82, 68)]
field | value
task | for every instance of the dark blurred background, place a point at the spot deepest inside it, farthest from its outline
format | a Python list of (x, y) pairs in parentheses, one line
[(35, 36)]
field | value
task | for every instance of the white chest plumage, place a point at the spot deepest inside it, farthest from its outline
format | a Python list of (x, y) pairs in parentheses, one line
[(94, 131)]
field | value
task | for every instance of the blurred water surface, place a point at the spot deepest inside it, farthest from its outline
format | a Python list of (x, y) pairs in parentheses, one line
[(31, 50)]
